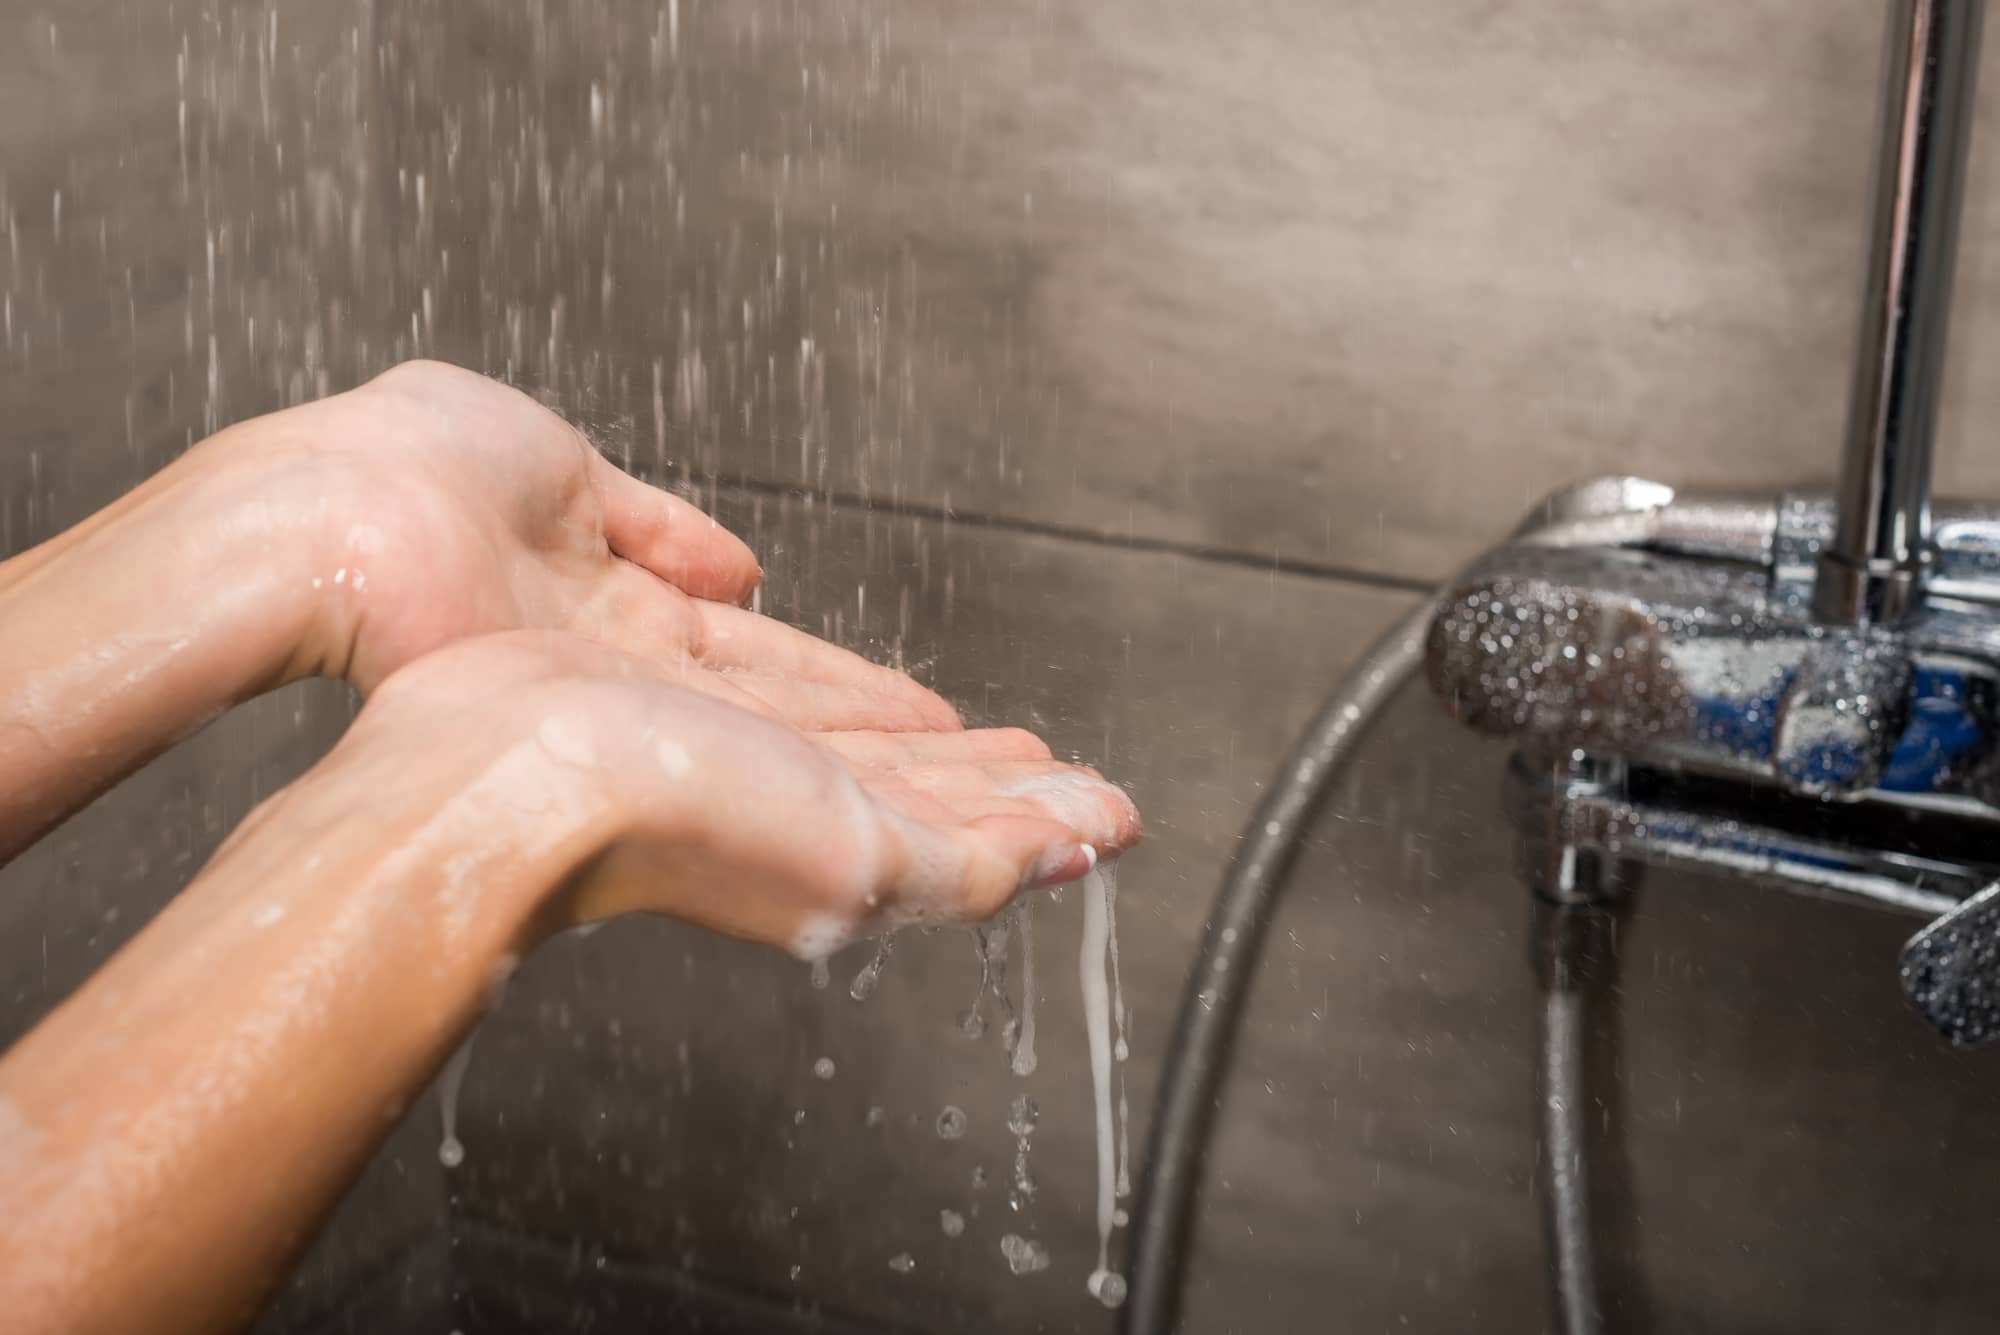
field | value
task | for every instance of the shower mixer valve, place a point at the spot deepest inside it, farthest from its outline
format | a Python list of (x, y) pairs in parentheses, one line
[(1804, 690), (1674, 699), (1689, 641)]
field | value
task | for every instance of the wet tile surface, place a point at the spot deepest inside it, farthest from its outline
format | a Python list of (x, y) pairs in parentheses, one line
[(1347, 285), (1777, 1142), (1342, 284)]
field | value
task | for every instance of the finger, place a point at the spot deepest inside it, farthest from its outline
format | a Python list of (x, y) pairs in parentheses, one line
[(969, 871), (635, 610), (1098, 810), (672, 538), (812, 706), (734, 638), (971, 806), (997, 845), (916, 805), (1105, 831), (901, 750), (953, 778), (1078, 797)]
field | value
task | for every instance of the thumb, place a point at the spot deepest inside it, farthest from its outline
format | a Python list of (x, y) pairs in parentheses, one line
[(675, 540)]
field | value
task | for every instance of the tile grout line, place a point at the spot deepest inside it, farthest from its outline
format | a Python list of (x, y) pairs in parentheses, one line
[(1227, 556)]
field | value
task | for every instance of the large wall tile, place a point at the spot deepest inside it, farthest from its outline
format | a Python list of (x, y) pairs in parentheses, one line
[(1347, 284)]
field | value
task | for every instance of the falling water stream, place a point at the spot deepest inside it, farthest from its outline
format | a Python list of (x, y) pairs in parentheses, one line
[(1021, 1033), (870, 976), (1097, 951), (451, 1152), (1121, 1048), (1106, 1025)]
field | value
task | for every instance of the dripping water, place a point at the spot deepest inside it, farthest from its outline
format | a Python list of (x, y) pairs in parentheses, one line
[(989, 941), (871, 973), (1021, 1046), (1105, 1284), (1022, 1117), (1121, 1049), (451, 1153)]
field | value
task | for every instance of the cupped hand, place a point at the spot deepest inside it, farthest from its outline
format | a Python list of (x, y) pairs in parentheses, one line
[(677, 789), (447, 505)]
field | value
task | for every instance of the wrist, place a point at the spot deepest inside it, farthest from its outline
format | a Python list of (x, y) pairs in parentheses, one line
[(363, 508), (275, 499), (154, 616), (474, 836)]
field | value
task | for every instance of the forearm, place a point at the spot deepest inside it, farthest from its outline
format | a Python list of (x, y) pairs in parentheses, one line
[(133, 629), (350, 536), (170, 1137)]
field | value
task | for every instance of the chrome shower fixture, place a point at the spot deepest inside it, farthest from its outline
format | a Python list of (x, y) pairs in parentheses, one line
[(1803, 689)]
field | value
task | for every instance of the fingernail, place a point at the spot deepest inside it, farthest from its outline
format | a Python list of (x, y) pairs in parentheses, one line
[(1061, 864)]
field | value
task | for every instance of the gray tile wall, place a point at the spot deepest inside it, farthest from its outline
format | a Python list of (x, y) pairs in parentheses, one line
[(1138, 361), (1344, 284)]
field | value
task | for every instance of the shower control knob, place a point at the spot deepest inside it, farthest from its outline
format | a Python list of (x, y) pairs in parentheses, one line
[(1842, 716), (1951, 971)]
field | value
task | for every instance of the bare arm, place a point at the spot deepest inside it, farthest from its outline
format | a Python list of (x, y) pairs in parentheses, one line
[(128, 633), (170, 1136), (345, 537)]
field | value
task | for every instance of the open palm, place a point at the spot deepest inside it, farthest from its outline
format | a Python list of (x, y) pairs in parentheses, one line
[(446, 504), (704, 799)]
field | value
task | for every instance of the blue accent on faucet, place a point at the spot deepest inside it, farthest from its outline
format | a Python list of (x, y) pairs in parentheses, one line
[(1941, 733)]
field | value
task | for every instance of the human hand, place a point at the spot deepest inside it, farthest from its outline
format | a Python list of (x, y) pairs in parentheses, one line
[(351, 536), (662, 786), (346, 936), (440, 504)]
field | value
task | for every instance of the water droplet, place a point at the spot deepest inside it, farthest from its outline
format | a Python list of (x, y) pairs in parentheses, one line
[(1025, 1256), (865, 982)]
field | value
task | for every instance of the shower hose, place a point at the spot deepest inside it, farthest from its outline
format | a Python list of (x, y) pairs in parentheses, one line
[(1225, 965)]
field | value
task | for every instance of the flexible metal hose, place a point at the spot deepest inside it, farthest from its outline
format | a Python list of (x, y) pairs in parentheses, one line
[(1204, 1032), (1619, 512), (1562, 1096)]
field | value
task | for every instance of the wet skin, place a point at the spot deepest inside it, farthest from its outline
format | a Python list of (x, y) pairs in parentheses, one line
[(568, 718)]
